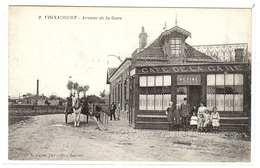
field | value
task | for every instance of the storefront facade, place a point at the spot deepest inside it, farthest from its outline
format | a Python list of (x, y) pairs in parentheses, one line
[(221, 85), (169, 70)]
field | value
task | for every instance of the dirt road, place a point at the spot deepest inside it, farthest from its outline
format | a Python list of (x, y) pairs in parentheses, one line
[(46, 137)]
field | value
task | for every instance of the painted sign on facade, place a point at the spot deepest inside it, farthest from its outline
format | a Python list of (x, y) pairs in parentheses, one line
[(188, 80), (192, 68)]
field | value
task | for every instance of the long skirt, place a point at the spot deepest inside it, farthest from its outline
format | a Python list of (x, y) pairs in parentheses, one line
[(215, 123)]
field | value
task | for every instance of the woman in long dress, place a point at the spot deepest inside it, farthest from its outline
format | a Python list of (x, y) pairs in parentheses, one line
[(201, 111), (170, 117)]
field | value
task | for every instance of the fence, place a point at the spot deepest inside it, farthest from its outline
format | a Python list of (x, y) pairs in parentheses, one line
[(33, 109), (104, 119)]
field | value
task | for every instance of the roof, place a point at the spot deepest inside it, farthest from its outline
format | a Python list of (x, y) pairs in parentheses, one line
[(152, 52), (110, 72), (192, 53), (176, 29)]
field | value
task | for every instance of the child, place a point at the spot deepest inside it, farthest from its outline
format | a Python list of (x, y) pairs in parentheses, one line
[(215, 118), (200, 121), (206, 120), (193, 121), (201, 112), (194, 110)]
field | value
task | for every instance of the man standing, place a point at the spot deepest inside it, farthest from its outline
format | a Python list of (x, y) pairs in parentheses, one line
[(112, 111), (185, 111)]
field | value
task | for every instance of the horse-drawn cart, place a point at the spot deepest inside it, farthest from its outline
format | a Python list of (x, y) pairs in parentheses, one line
[(76, 106)]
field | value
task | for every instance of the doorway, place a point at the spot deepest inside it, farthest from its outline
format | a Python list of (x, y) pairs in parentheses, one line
[(194, 97), (191, 92)]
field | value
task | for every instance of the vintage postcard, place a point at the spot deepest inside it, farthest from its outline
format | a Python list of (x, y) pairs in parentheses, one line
[(129, 84)]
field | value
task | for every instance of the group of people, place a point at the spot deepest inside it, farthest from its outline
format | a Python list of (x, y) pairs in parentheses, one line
[(201, 119), (115, 111)]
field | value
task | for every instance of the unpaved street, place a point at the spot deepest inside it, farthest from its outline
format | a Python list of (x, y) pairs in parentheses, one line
[(47, 137)]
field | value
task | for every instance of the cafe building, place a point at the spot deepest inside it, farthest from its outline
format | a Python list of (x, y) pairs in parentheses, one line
[(169, 70)]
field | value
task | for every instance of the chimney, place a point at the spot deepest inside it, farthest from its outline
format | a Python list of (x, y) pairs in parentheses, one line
[(37, 93), (239, 55), (142, 39)]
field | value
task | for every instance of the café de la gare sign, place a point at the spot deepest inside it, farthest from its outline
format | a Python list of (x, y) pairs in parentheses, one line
[(192, 68)]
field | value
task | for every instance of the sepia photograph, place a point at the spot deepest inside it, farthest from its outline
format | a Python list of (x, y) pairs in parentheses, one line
[(129, 84)]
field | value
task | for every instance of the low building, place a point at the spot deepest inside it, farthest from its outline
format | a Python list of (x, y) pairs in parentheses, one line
[(169, 69)]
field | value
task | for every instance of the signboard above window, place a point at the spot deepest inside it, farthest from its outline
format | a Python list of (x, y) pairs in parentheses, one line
[(188, 80)]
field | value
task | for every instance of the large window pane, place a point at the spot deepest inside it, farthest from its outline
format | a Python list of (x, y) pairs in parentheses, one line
[(220, 79), (238, 102), (167, 80), (166, 101), (220, 102), (229, 78), (158, 102), (142, 80), (229, 105), (211, 80), (150, 102), (158, 80), (238, 79), (211, 101), (142, 102), (150, 81)]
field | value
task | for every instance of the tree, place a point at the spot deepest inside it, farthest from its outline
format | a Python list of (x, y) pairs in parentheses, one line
[(27, 95), (53, 97), (86, 87), (80, 89), (76, 87), (103, 93), (70, 86), (93, 99)]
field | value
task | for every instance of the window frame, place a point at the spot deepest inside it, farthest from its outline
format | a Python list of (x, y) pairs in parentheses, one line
[(226, 94), (175, 44), (164, 88)]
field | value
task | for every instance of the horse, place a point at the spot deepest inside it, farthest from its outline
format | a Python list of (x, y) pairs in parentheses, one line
[(77, 106), (85, 109)]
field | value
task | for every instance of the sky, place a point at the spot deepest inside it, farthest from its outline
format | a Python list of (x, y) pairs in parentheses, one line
[(52, 50)]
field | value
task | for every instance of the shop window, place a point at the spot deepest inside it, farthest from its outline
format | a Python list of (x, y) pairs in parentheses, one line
[(225, 91), (155, 92), (175, 47)]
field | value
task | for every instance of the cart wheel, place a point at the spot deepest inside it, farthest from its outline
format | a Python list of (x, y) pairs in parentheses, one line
[(66, 118)]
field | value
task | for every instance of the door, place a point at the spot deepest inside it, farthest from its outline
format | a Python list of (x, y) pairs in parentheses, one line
[(194, 97)]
